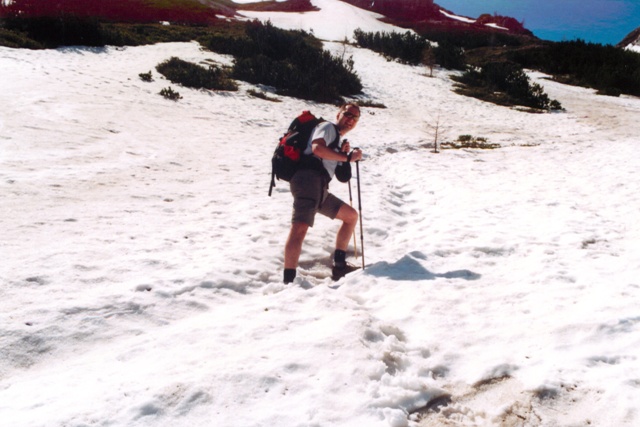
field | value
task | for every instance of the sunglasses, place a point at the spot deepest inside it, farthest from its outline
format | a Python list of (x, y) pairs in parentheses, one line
[(350, 115)]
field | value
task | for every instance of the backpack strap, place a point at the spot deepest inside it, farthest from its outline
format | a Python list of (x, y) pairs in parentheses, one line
[(273, 181), (335, 144), (310, 161)]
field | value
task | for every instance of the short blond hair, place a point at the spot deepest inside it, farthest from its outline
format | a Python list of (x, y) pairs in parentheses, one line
[(349, 104)]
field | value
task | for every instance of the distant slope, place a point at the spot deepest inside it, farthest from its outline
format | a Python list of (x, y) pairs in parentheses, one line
[(279, 6), (412, 13), (404, 13), (631, 41), (178, 11)]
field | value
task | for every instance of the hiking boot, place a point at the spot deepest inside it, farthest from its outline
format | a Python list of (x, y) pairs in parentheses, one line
[(289, 275), (340, 270)]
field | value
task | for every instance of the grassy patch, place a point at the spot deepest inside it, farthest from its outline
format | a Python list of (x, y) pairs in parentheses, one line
[(191, 12), (279, 6), (48, 32), (370, 104), (469, 141)]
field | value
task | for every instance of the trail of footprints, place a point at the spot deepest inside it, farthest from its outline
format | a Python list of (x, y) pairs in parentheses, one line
[(430, 399)]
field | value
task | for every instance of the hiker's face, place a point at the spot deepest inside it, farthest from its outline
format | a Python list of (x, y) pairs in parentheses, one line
[(348, 119)]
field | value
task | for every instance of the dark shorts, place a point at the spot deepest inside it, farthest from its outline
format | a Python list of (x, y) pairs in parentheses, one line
[(310, 191)]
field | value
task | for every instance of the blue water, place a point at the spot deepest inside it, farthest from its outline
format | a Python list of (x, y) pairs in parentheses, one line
[(597, 21)]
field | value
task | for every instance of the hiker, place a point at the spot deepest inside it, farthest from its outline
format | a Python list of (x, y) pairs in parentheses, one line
[(310, 190)]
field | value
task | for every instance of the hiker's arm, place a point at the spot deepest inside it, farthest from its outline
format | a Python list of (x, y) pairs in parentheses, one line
[(320, 149)]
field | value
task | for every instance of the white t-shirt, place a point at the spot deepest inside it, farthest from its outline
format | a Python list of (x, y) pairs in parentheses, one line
[(328, 132)]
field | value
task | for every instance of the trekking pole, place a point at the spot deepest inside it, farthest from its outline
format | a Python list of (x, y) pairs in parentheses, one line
[(360, 211), (355, 246)]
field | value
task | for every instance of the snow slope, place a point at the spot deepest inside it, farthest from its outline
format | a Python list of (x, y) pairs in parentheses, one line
[(334, 21), (141, 256)]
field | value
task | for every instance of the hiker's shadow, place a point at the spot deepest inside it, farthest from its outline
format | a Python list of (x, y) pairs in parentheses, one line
[(409, 268)]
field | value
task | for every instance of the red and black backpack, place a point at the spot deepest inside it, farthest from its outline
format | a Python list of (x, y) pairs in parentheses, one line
[(289, 156)]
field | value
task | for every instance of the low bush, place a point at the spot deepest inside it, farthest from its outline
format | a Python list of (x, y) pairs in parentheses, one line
[(18, 39), (169, 93), (410, 48), (609, 69), (146, 77), (471, 39), (195, 76), (118, 34), (505, 84), (54, 31), (450, 56), (291, 61), (406, 48)]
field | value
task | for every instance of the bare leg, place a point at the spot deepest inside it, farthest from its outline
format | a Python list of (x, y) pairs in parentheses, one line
[(349, 218), (293, 247)]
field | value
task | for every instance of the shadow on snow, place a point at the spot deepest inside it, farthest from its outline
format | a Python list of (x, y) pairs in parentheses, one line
[(409, 268)]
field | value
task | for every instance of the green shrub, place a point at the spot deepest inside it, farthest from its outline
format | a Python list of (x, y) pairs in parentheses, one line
[(470, 39), (138, 34), (17, 40), (406, 48), (291, 61), (54, 31), (195, 76), (409, 48), (609, 91), (50, 32), (450, 56), (609, 69), (169, 93), (146, 77), (505, 83)]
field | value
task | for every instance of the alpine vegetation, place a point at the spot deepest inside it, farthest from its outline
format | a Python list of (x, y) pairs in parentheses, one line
[(169, 93), (293, 62), (196, 76), (504, 83), (146, 77), (406, 48)]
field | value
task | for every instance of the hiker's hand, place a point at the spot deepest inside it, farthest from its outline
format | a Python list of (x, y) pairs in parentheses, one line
[(356, 155), (346, 146)]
